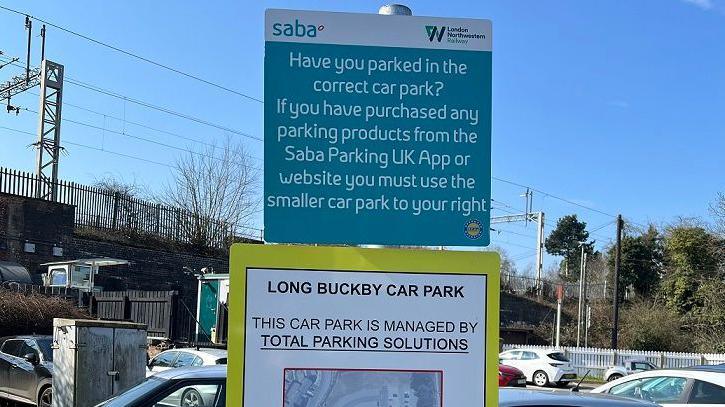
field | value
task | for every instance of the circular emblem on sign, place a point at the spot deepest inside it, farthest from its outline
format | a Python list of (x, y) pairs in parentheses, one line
[(473, 229)]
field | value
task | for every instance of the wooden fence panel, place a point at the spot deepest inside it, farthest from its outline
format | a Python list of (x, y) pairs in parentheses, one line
[(155, 309), (111, 305)]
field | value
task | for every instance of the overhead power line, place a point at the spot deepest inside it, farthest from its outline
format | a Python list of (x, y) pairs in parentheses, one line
[(553, 196), (150, 105), (136, 56), (93, 126), (94, 148), (133, 123), (161, 109), (514, 233)]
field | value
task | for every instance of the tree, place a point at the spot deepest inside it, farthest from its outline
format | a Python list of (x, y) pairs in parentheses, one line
[(565, 241), (508, 266), (707, 321), (641, 261), (123, 194), (217, 187), (718, 212), (692, 257), (111, 184), (652, 326)]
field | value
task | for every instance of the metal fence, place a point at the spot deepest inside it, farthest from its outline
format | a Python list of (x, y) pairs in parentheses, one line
[(597, 360), (522, 285), (100, 208)]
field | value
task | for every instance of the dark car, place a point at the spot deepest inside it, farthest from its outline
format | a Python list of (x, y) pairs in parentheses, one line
[(26, 369), (183, 387), (509, 376)]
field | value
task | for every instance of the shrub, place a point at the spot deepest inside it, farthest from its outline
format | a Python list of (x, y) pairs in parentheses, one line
[(26, 314)]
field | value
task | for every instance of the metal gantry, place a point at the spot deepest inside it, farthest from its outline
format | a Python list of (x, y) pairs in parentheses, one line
[(537, 217), (19, 84), (49, 120)]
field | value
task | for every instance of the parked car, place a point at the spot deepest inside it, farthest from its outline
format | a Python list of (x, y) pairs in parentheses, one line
[(542, 398), (184, 387), (26, 369), (628, 367), (175, 358), (672, 387), (509, 376), (541, 367)]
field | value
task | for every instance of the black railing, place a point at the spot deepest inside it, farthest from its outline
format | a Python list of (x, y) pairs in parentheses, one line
[(99, 208)]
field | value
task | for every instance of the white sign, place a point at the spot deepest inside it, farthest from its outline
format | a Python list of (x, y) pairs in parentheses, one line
[(348, 338), (377, 30)]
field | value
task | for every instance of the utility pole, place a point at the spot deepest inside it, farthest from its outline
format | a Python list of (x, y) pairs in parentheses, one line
[(581, 295), (617, 260)]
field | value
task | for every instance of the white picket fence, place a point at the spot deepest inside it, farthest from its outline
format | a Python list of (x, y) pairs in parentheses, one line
[(597, 360)]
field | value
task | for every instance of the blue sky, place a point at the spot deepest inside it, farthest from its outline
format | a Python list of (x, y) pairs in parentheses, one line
[(614, 105)]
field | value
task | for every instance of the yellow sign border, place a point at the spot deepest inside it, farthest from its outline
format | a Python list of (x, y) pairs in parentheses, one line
[(246, 256)]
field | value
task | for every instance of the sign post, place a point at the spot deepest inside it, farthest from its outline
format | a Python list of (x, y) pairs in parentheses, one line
[(377, 129), (334, 326)]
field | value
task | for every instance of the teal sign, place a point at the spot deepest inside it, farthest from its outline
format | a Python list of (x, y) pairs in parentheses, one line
[(377, 129)]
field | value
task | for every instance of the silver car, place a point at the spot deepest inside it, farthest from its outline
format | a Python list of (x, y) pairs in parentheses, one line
[(511, 397), (183, 387)]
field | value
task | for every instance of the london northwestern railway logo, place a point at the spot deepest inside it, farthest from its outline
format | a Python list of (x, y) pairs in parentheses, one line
[(454, 35)]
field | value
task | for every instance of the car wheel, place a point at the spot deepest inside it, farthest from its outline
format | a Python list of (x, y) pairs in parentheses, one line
[(540, 378), (45, 398), (614, 377), (191, 398)]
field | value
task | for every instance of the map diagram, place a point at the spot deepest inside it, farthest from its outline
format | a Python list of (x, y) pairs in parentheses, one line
[(362, 388)]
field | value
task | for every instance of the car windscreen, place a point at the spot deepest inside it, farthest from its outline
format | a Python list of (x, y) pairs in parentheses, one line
[(151, 385), (46, 348), (221, 361), (558, 356)]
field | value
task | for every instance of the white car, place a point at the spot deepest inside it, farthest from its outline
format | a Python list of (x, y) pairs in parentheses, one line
[(702, 386), (175, 358), (541, 367), (628, 367)]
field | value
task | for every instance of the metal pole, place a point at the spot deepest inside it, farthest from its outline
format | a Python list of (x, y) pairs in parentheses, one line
[(559, 295), (617, 260), (540, 253), (42, 43), (585, 279), (586, 326), (29, 26), (581, 295)]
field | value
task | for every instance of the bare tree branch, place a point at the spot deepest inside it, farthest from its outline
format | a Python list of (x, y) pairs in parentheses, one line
[(219, 190)]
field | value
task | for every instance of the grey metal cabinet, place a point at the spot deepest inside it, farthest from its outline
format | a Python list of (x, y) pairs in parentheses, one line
[(95, 360)]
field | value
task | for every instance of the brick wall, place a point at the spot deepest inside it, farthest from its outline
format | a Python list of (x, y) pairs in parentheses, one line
[(48, 224), (27, 220)]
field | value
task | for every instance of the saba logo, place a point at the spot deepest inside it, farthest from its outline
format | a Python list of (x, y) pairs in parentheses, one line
[(296, 29), (435, 32)]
